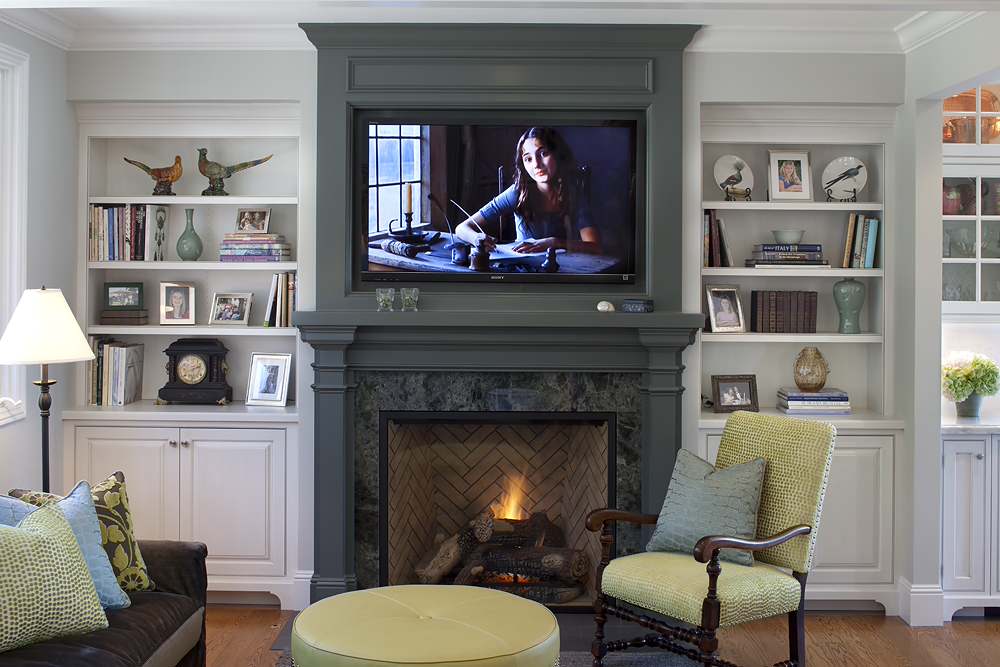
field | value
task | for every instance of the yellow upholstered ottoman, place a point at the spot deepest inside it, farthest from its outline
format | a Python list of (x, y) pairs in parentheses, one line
[(430, 626)]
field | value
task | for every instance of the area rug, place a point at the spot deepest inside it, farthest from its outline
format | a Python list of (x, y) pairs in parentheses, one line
[(582, 659)]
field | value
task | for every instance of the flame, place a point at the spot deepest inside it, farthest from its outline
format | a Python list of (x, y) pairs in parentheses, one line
[(509, 505)]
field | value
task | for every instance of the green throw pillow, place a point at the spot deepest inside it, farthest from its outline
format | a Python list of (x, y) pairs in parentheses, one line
[(45, 586), (704, 501), (117, 531)]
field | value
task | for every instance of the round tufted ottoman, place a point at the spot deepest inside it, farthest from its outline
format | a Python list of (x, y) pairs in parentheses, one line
[(430, 626)]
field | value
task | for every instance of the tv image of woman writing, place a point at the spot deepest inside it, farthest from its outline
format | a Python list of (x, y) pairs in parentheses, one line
[(548, 207)]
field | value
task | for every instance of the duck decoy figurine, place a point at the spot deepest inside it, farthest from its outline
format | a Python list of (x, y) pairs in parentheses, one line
[(164, 176), (215, 172)]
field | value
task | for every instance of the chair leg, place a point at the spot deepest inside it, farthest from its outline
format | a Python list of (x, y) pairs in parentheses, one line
[(797, 637), (597, 648)]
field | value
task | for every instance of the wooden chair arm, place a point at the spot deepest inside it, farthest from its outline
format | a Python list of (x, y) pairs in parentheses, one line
[(708, 547), (597, 518)]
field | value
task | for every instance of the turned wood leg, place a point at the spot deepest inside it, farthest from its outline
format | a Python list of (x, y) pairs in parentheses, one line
[(597, 648)]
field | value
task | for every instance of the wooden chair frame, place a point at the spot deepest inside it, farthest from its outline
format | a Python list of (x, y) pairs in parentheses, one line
[(700, 644)]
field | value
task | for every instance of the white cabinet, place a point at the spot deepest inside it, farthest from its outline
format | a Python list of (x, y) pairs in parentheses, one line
[(964, 514)]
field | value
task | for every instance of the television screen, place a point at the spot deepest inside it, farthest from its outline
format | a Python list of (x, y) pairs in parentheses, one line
[(499, 201)]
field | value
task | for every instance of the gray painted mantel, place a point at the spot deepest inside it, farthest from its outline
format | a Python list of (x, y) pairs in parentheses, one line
[(483, 329)]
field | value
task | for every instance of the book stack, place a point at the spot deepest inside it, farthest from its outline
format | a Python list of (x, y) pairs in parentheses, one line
[(788, 255), (280, 301), (782, 311), (715, 248), (115, 375), (244, 247), (120, 233), (125, 317), (860, 242), (829, 401)]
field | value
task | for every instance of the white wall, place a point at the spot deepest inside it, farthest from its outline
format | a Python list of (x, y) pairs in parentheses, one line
[(51, 172)]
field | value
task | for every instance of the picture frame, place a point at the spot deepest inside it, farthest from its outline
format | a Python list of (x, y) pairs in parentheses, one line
[(177, 303), (253, 220), (725, 311), (231, 308), (123, 296), (789, 176), (734, 392), (267, 382)]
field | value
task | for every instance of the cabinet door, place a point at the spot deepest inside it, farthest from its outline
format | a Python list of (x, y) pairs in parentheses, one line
[(963, 515), (149, 458), (233, 498), (854, 544)]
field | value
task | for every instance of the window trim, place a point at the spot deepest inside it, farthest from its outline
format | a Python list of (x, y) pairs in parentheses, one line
[(13, 212)]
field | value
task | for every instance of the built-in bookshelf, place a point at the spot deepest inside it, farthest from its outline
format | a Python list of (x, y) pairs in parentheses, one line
[(859, 362)]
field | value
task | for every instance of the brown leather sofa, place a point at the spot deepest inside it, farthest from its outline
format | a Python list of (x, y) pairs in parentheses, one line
[(162, 628)]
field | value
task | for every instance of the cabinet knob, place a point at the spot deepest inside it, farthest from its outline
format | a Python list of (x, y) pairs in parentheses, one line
[(185, 443), (172, 443), (979, 457)]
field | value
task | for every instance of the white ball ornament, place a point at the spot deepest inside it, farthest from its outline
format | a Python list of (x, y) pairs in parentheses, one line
[(605, 307)]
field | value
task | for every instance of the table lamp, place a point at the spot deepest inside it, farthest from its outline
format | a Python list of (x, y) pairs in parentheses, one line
[(43, 331)]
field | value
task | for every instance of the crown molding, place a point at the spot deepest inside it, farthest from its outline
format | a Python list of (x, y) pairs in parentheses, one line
[(41, 24), (246, 37), (755, 39), (925, 27)]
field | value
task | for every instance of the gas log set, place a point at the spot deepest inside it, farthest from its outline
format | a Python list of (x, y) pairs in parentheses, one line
[(526, 557)]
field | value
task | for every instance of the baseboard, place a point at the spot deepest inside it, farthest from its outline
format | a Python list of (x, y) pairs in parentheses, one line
[(324, 587), (921, 605), (853, 597)]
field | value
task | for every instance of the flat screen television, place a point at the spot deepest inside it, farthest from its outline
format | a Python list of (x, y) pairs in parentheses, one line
[(480, 197)]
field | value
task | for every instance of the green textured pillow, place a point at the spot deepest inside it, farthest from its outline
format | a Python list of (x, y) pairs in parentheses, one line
[(704, 501), (45, 586), (117, 531)]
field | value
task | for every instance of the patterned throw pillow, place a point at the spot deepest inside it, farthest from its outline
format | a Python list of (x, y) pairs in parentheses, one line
[(117, 532), (78, 508), (704, 501), (45, 586)]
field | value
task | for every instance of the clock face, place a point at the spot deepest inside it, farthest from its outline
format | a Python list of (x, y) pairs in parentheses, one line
[(191, 369)]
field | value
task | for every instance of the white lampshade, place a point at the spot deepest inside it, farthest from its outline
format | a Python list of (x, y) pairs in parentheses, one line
[(43, 330)]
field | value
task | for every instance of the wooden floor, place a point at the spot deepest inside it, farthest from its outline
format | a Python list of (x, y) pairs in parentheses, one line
[(242, 637)]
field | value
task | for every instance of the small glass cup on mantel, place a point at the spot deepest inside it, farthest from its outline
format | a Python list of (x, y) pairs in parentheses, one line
[(384, 298), (410, 297)]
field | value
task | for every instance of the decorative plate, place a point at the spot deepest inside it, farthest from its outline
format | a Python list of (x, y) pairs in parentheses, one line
[(845, 177), (733, 171)]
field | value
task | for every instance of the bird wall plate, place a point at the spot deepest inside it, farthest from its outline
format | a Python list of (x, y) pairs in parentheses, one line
[(734, 177), (844, 179)]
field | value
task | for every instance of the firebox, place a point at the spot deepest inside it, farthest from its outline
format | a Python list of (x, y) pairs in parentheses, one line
[(495, 499)]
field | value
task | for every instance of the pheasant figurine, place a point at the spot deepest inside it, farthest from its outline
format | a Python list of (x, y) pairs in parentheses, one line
[(215, 172), (164, 176)]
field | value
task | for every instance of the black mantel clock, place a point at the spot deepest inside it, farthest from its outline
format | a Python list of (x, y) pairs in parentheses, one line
[(196, 372)]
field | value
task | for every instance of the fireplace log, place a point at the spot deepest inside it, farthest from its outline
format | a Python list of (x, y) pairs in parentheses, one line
[(542, 593), (538, 530), (549, 563), (452, 551)]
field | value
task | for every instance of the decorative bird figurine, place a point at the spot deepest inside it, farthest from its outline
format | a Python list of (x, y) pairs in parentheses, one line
[(847, 173), (734, 179), (215, 172), (164, 176)]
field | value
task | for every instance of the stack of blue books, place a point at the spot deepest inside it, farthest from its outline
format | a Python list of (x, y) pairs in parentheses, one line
[(829, 401)]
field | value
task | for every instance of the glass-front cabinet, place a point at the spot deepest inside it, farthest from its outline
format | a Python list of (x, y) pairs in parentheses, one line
[(972, 117), (970, 253)]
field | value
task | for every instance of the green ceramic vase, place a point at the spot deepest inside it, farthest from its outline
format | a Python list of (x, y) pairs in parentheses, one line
[(849, 295), (189, 245), (969, 407)]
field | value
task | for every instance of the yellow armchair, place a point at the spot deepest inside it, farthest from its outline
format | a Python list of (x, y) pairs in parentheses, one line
[(798, 455)]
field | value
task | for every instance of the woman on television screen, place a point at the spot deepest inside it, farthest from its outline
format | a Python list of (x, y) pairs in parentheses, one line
[(549, 210)]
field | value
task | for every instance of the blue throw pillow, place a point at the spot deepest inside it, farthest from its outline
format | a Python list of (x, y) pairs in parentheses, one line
[(78, 508)]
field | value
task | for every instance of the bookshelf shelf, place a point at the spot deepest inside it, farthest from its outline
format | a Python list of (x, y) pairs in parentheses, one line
[(858, 419), (791, 272), (196, 200), (149, 411), (791, 206), (183, 331), (797, 338), (272, 267)]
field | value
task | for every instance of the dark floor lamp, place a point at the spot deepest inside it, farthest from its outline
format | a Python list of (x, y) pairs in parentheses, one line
[(43, 331)]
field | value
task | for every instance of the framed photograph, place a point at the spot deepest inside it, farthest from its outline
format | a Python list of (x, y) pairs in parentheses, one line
[(253, 220), (725, 313), (176, 303), (268, 381), (123, 296), (231, 308), (790, 177), (734, 392)]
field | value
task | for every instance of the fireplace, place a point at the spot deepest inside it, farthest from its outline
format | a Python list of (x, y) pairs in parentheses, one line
[(495, 499)]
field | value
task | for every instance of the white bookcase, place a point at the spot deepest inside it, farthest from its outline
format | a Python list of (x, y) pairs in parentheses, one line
[(174, 452)]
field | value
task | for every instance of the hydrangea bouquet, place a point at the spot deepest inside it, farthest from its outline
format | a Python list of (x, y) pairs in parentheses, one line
[(965, 374)]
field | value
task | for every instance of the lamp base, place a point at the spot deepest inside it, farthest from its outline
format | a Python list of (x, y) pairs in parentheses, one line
[(44, 404)]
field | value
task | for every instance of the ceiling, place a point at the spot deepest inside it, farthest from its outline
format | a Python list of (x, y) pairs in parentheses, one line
[(846, 26)]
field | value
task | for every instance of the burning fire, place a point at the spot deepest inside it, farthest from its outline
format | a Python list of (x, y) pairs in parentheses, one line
[(509, 505)]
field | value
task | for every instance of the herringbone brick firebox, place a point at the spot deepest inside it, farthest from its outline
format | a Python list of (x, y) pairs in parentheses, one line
[(527, 479)]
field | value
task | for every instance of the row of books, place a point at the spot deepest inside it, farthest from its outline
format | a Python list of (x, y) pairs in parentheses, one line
[(828, 401), (125, 317), (115, 375), (121, 233), (280, 300), (247, 247), (715, 248), (787, 254), (782, 311), (860, 242)]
